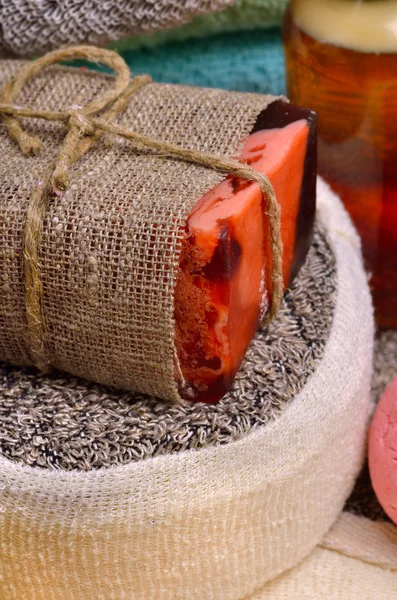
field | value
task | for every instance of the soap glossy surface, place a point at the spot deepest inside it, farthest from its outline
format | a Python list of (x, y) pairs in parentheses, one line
[(224, 285)]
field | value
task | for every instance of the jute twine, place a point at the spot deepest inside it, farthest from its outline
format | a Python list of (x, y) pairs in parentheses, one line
[(85, 126)]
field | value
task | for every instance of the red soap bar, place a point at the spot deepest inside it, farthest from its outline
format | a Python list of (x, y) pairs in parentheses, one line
[(224, 282)]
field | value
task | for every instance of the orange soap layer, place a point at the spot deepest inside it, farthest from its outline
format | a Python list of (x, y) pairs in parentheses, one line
[(224, 283)]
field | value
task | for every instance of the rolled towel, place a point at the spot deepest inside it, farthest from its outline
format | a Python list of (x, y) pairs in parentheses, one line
[(231, 495), (244, 15), (29, 28)]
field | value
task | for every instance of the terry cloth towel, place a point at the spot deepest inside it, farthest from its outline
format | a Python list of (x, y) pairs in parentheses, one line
[(103, 427), (357, 559), (219, 522), (244, 15), (29, 28)]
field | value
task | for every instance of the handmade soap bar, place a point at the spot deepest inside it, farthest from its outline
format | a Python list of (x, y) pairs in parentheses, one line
[(382, 451), (126, 278), (224, 285)]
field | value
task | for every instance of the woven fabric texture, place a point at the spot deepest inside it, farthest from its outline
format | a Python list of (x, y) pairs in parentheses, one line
[(357, 560), (113, 240), (244, 15), (215, 523), (364, 539), (59, 421), (28, 28)]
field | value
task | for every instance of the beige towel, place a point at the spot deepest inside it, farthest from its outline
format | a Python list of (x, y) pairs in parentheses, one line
[(357, 560), (213, 524)]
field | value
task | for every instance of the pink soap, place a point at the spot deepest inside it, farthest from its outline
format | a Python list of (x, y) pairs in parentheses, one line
[(382, 451)]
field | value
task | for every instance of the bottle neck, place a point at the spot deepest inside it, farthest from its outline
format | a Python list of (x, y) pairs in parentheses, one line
[(362, 25)]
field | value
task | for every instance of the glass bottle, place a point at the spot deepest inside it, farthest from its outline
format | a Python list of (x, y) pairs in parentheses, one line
[(341, 61)]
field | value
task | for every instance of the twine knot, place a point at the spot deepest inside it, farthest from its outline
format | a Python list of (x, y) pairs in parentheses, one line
[(78, 121), (85, 125)]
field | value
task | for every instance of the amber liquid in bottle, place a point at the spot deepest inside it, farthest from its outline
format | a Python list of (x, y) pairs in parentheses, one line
[(344, 66)]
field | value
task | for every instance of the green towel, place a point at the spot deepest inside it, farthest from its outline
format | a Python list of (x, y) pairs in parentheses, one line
[(243, 16)]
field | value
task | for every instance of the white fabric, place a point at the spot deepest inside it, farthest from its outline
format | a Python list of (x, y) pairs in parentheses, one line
[(217, 523), (357, 560)]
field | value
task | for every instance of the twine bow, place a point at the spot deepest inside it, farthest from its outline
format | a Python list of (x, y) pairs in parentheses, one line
[(85, 127)]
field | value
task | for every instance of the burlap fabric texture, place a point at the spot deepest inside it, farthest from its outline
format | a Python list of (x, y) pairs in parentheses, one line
[(106, 263), (29, 28), (221, 522), (58, 421)]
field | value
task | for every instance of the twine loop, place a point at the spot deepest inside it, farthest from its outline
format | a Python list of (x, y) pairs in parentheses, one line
[(78, 121), (85, 125)]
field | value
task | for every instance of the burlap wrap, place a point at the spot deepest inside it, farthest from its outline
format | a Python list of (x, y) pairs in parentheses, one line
[(110, 245), (29, 28), (220, 522), (59, 421)]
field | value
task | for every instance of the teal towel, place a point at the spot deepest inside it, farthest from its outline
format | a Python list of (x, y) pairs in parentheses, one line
[(247, 62)]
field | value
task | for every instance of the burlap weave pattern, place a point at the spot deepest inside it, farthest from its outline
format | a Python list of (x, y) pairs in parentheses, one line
[(110, 245), (57, 421), (28, 28)]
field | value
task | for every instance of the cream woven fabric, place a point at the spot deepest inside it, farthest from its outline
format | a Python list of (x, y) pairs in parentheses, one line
[(28, 28), (357, 560), (217, 523), (110, 246)]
